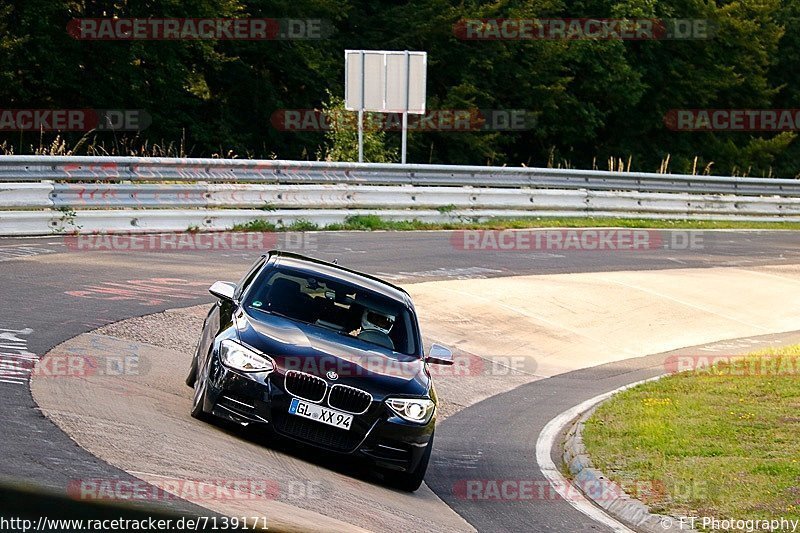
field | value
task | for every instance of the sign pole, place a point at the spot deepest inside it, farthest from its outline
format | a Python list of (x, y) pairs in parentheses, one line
[(361, 115), (404, 141)]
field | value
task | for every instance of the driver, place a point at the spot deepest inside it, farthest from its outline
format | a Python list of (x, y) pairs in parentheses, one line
[(374, 321)]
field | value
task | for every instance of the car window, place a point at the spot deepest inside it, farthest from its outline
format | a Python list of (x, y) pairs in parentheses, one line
[(248, 278), (335, 305)]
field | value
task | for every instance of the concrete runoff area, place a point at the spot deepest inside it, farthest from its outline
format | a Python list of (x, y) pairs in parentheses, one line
[(564, 322), (542, 325)]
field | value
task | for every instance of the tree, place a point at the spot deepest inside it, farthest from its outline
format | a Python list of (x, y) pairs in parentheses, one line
[(341, 140)]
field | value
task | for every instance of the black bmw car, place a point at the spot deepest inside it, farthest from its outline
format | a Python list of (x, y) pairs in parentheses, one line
[(324, 355)]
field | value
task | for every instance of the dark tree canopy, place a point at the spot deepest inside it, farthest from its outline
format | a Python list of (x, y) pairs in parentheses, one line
[(591, 100)]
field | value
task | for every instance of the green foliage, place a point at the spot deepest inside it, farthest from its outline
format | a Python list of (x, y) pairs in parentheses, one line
[(364, 222), (591, 99), (341, 140), (719, 438), (376, 223), (255, 225), (300, 225)]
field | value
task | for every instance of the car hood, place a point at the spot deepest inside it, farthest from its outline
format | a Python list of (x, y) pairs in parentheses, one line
[(316, 350)]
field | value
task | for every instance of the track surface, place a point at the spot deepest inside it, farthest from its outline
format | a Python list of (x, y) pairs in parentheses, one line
[(506, 450), (106, 287)]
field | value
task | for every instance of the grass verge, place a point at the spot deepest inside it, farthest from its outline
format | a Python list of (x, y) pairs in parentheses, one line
[(720, 441), (374, 222)]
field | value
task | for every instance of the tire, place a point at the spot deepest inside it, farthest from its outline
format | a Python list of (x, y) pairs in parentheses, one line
[(192, 377), (411, 481), (199, 398)]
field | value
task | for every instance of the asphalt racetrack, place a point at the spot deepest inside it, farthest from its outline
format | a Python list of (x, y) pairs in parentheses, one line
[(53, 292)]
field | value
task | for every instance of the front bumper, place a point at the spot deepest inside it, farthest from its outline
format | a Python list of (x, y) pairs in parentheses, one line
[(260, 398)]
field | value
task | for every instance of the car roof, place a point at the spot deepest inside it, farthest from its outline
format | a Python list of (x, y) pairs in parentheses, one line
[(345, 274)]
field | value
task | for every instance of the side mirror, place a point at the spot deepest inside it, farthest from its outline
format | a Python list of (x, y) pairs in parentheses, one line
[(224, 290), (439, 355)]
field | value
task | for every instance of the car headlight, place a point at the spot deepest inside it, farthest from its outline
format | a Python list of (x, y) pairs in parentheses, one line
[(417, 410), (243, 359)]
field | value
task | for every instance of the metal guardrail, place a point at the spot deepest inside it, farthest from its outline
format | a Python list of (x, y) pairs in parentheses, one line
[(135, 169), (46, 194)]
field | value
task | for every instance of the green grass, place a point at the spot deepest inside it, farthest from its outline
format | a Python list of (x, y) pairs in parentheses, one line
[(255, 225), (265, 225), (374, 222), (300, 225), (719, 442)]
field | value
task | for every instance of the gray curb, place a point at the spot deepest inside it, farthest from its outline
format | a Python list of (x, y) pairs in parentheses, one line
[(607, 494)]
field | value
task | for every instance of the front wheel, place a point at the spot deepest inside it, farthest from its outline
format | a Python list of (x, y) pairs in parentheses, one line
[(192, 377), (411, 481), (199, 398)]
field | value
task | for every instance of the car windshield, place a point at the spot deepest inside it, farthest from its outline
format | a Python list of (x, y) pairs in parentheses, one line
[(335, 305)]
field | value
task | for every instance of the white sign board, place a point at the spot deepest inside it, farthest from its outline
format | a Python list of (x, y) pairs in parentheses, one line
[(391, 82)]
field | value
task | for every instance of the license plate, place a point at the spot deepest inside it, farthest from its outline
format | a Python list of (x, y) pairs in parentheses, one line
[(316, 412)]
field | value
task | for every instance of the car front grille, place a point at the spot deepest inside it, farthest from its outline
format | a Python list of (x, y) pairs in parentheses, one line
[(316, 433), (349, 399), (305, 386)]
